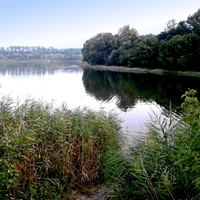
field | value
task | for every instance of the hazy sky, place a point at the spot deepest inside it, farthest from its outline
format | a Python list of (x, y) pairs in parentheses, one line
[(69, 23)]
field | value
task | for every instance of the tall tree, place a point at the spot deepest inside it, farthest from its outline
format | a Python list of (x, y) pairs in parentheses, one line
[(144, 54), (181, 53), (171, 24), (194, 22), (127, 37), (97, 49)]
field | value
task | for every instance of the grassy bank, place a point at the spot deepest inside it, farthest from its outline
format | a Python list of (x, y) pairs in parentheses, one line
[(49, 153), (138, 70), (45, 61)]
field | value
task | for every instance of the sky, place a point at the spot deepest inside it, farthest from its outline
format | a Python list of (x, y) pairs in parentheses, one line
[(69, 23)]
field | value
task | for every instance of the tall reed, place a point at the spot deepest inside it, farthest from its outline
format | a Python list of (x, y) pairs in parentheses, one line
[(48, 152), (166, 163)]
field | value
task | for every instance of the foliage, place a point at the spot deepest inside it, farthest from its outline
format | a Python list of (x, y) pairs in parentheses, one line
[(38, 53), (97, 49), (127, 37), (181, 53), (181, 29), (107, 49), (47, 152), (176, 48), (194, 22), (144, 54), (171, 24), (166, 163)]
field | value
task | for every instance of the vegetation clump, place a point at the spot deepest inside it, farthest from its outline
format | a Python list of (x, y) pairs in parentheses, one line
[(166, 163), (47, 152)]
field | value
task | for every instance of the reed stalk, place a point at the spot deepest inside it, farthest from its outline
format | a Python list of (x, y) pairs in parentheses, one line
[(48, 152)]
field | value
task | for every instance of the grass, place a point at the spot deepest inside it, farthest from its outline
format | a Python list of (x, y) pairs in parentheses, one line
[(138, 70), (166, 162), (56, 153), (47, 152)]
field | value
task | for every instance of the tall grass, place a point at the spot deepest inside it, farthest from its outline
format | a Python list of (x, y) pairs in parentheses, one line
[(166, 163), (48, 152)]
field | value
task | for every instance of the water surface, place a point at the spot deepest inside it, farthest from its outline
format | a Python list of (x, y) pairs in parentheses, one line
[(134, 97)]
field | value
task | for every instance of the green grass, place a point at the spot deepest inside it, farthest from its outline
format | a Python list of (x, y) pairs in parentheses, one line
[(138, 70), (166, 162), (56, 153), (47, 152)]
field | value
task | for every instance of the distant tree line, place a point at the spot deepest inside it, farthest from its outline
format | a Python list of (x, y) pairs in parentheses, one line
[(39, 53), (176, 48)]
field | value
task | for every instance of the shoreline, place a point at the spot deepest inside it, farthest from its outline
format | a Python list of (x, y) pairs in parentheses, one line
[(37, 60), (138, 70)]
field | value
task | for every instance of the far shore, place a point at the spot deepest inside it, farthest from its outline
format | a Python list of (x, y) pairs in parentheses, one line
[(138, 70), (36, 60)]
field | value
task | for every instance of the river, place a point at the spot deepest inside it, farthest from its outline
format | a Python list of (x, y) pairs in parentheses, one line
[(134, 97)]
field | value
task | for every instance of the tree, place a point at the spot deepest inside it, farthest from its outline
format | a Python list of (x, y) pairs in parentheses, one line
[(127, 37), (37, 52), (171, 24), (181, 29), (97, 49), (181, 53), (144, 54), (194, 22), (114, 57)]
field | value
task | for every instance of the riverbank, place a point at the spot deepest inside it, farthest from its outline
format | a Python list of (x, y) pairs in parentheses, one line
[(138, 70), (49, 153), (37, 61)]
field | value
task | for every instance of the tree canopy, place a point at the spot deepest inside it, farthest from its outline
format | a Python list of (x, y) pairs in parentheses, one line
[(176, 48), (38, 53)]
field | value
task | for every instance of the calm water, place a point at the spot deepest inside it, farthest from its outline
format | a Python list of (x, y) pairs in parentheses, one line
[(133, 96)]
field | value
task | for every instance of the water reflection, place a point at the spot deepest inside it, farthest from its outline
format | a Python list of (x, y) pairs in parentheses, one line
[(35, 68), (106, 85), (128, 88), (132, 96)]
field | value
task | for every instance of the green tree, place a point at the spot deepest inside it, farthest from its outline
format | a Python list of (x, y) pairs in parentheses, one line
[(114, 57), (126, 40), (181, 53), (97, 49), (181, 29), (127, 37), (144, 54), (194, 22)]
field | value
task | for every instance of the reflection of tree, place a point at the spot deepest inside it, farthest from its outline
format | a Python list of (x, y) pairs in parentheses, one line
[(105, 85), (21, 68), (129, 87)]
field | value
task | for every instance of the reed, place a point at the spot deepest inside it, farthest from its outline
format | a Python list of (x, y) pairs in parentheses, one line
[(166, 163), (47, 152)]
